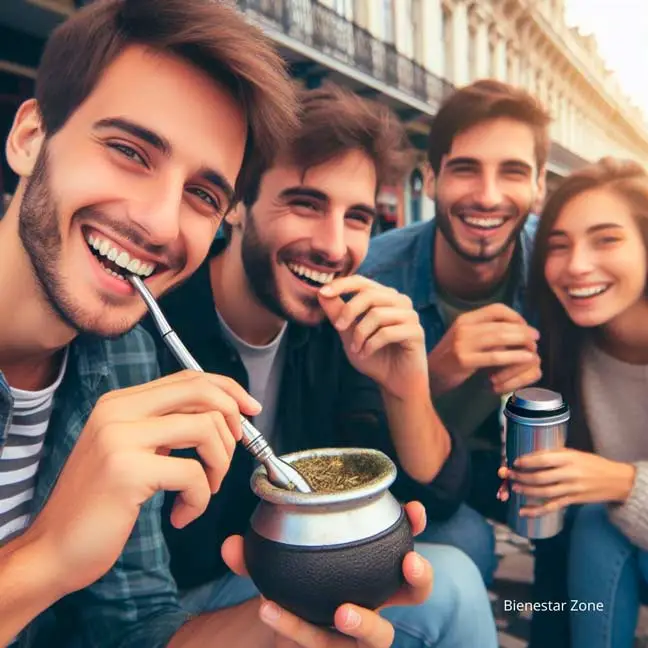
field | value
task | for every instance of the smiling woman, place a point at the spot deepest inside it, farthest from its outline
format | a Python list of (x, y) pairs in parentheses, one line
[(589, 286)]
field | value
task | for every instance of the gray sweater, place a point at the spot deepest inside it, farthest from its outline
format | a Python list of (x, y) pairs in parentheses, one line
[(616, 408)]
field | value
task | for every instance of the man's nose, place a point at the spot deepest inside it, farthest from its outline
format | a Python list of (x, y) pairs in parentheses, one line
[(328, 240), (158, 214), (488, 193)]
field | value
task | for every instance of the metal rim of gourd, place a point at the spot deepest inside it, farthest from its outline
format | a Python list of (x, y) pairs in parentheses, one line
[(386, 470)]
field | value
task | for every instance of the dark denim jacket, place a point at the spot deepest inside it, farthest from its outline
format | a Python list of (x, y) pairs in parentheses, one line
[(404, 259)]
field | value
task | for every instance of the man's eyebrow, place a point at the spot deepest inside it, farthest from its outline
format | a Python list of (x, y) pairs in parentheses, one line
[(136, 130), (299, 191), (461, 161), (218, 180), (310, 192), (520, 164)]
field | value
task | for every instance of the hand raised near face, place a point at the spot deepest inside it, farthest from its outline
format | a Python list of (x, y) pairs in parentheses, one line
[(495, 338), (380, 331)]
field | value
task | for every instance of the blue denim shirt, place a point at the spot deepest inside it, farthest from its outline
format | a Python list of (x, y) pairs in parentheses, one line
[(404, 259), (135, 603)]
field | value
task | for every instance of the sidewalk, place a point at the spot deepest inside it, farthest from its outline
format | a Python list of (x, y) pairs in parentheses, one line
[(513, 580)]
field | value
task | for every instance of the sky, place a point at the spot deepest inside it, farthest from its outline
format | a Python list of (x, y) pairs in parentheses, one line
[(621, 29)]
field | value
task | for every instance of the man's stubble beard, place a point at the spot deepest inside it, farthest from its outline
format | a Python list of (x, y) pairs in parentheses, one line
[(40, 234), (259, 271), (445, 226)]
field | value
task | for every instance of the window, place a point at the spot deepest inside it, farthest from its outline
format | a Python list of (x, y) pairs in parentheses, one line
[(389, 34), (417, 31), (361, 13)]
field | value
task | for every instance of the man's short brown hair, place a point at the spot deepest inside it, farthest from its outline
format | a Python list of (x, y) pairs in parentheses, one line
[(209, 34), (482, 101), (334, 121)]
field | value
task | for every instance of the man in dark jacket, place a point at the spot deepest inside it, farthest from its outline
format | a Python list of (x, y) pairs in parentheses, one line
[(335, 359)]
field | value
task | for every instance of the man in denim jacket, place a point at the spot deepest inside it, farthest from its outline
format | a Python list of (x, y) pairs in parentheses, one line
[(466, 273)]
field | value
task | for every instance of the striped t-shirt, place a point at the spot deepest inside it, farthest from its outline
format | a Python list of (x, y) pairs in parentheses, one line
[(20, 456)]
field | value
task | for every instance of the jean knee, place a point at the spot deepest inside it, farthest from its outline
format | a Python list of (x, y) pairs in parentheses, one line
[(592, 525), (457, 580), (458, 611), (469, 531)]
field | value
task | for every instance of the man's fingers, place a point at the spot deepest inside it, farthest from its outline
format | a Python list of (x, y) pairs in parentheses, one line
[(497, 358), (493, 313), (419, 579), (513, 378), (186, 476), (351, 284), (208, 432), (291, 627), (332, 306), (392, 335), (500, 335), (417, 517), (191, 392), (362, 302), (377, 318), (503, 375), (367, 627), (233, 556)]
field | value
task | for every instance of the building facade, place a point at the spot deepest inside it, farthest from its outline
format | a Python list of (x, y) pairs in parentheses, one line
[(409, 54)]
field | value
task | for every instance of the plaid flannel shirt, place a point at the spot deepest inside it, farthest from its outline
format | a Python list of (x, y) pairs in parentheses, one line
[(136, 602)]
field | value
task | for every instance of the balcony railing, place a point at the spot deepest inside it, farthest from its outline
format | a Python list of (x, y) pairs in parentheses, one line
[(318, 26)]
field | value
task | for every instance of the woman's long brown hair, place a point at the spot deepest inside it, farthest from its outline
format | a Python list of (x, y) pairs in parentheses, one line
[(561, 341)]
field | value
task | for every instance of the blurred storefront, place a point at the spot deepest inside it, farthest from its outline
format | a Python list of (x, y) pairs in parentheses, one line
[(408, 54)]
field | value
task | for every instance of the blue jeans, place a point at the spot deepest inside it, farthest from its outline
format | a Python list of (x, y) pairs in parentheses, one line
[(605, 568), (469, 531), (457, 614)]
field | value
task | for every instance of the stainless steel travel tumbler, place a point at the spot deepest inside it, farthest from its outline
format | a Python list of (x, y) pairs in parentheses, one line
[(536, 419)]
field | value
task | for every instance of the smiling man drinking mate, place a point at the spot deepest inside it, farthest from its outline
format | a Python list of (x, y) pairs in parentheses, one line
[(147, 116), (267, 310)]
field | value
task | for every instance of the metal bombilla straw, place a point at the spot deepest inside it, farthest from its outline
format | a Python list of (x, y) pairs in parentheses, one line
[(280, 473)]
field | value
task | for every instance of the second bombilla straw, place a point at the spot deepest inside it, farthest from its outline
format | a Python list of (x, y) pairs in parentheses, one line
[(279, 472)]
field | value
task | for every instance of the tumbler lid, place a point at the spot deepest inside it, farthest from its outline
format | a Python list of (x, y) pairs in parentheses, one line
[(537, 399)]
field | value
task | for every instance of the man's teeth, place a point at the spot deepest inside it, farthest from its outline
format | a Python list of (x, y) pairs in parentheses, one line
[(484, 223), (121, 258), (313, 275), (589, 291)]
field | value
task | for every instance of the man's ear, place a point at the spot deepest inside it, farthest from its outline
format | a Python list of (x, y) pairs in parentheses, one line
[(429, 182), (25, 139), (235, 217)]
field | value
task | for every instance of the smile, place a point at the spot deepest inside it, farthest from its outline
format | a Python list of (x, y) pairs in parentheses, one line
[(311, 277), (585, 292), (116, 261), (479, 222)]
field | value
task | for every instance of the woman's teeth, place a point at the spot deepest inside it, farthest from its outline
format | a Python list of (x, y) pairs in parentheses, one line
[(121, 258), (589, 291), (483, 223), (320, 278)]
